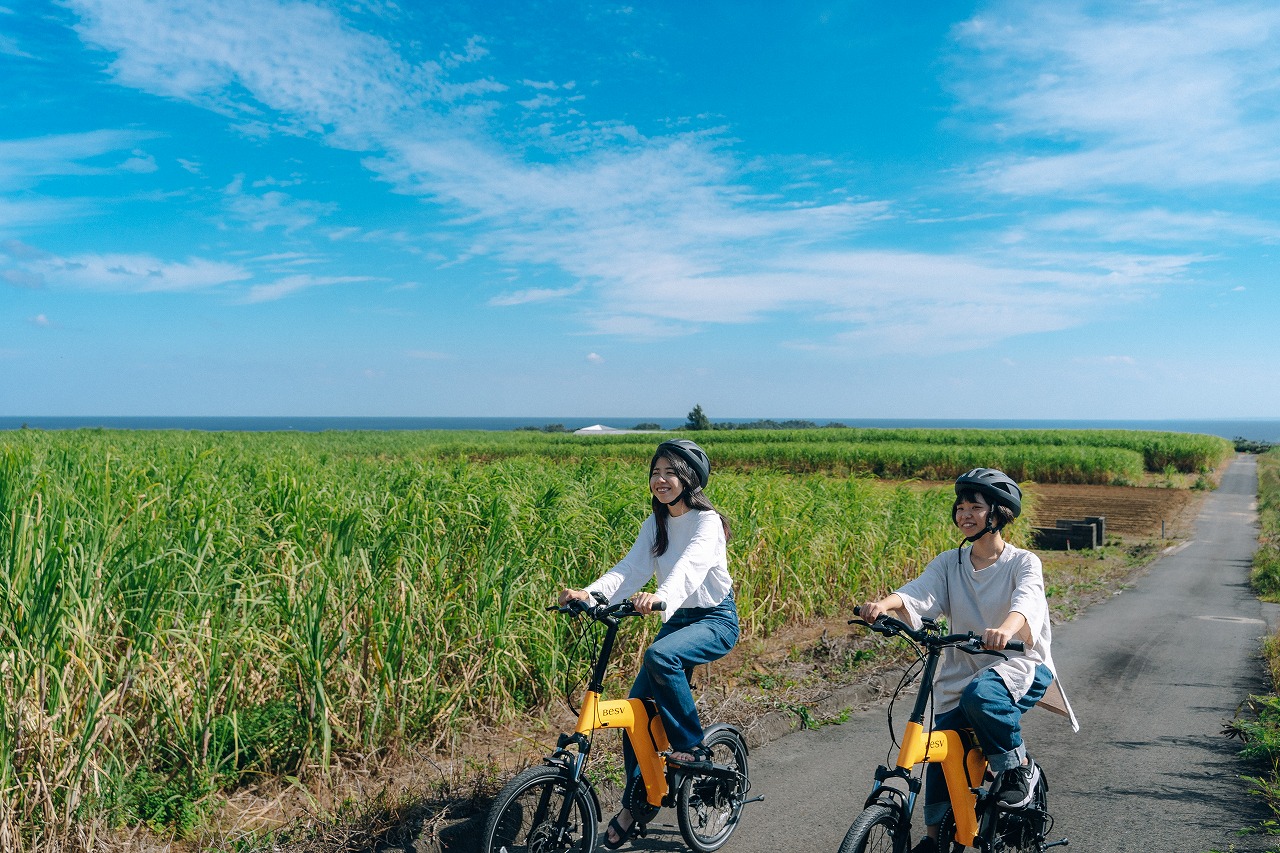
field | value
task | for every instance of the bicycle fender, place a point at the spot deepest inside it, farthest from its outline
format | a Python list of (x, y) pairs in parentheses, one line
[(717, 727)]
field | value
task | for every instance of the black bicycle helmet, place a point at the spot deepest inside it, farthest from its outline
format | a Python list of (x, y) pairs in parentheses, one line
[(995, 486), (691, 453)]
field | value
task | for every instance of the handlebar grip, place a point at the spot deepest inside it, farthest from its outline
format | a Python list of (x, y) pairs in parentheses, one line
[(659, 606), (1016, 646)]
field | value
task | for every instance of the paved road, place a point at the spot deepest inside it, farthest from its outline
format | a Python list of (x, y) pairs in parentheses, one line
[(1153, 674)]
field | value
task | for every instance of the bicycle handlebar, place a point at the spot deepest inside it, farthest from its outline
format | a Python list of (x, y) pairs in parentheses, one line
[(968, 642), (603, 610)]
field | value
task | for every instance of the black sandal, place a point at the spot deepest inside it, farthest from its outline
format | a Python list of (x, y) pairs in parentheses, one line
[(624, 835), (701, 762)]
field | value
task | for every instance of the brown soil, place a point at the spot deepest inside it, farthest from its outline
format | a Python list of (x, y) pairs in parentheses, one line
[(1130, 512)]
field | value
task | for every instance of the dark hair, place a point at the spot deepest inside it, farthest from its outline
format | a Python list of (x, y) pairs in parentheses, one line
[(999, 514), (691, 496)]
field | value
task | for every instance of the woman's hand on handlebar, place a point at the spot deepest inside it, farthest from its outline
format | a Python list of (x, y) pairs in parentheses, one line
[(567, 595), (873, 610), (996, 639), (870, 611), (646, 603)]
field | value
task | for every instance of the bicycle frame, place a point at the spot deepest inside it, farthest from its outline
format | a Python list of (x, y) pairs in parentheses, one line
[(962, 761), (641, 725)]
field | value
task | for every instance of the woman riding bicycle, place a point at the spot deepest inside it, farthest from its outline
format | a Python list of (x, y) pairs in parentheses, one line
[(996, 591), (683, 544)]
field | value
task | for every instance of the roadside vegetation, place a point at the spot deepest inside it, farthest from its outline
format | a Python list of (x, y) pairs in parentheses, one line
[(1257, 725), (186, 614)]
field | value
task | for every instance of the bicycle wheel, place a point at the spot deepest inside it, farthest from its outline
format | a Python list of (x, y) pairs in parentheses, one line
[(708, 807), (538, 812), (874, 831)]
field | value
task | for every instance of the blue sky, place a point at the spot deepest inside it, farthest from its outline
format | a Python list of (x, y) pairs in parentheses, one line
[(802, 209)]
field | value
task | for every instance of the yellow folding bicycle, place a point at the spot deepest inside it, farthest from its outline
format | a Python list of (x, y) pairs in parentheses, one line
[(974, 818), (554, 806)]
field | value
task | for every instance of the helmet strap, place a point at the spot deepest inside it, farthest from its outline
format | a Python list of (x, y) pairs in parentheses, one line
[(974, 538)]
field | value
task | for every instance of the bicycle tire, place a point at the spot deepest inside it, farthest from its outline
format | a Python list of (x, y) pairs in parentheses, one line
[(875, 831), (707, 807), (524, 815), (947, 834)]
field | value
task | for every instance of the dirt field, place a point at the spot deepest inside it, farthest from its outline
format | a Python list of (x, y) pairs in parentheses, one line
[(1130, 512)]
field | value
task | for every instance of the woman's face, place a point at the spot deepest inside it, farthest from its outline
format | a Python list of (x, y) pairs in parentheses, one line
[(663, 482), (971, 516)]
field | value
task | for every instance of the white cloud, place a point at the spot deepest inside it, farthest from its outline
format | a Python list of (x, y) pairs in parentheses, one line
[(1157, 225), (1155, 94), (524, 297), (9, 47), (595, 358), (41, 320), (26, 266), (665, 235), (25, 162), (273, 209), (292, 284)]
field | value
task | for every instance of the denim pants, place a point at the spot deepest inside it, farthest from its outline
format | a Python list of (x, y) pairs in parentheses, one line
[(692, 636), (987, 707)]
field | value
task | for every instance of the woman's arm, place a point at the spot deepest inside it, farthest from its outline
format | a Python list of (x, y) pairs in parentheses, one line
[(631, 572)]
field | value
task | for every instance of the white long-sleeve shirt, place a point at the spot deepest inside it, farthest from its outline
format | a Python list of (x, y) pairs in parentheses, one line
[(693, 572), (976, 600)]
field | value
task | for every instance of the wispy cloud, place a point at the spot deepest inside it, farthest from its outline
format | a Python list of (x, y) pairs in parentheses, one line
[(293, 284), (1156, 94), (524, 297), (25, 162), (114, 273), (1157, 225), (662, 235), (273, 209)]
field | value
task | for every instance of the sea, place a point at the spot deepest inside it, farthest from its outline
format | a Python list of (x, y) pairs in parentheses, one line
[(1254, 429)]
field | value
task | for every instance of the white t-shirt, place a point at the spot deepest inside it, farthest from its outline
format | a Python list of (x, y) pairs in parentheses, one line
[(693, 572), (977, 600)]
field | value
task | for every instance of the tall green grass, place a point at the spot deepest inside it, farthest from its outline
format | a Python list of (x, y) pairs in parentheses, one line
[(1076, 456), (1257, 723), (1266, 560), (184, 612)]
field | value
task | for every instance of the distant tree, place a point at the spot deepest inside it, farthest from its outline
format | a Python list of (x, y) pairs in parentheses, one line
[(554, 428), (697, 419), (647, 425)]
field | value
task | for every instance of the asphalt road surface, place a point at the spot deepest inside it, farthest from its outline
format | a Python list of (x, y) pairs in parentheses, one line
[(1153, 674)]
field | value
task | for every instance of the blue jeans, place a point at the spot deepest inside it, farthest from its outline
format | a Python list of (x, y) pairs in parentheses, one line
[(692, 636), (987, 707)]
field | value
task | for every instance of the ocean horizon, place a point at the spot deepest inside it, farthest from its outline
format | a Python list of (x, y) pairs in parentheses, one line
[(1255, 429)]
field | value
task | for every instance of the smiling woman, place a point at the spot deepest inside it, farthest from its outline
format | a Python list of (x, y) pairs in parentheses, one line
[(682, 546)]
